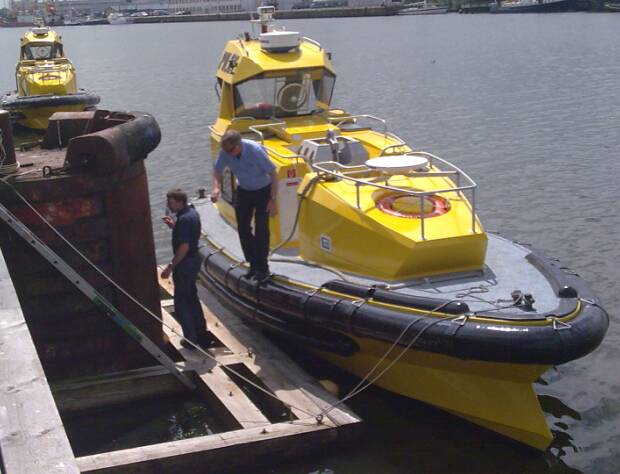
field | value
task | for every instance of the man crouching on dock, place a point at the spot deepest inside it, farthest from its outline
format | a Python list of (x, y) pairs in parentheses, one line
[(256, 196), (185, 267)]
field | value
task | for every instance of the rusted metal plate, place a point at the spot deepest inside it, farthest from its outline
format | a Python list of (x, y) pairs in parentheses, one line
[(60, 213), (63, 126), (106, 217)]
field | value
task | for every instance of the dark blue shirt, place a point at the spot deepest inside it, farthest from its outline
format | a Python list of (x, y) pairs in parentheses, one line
[(252, 168), (186, 230)]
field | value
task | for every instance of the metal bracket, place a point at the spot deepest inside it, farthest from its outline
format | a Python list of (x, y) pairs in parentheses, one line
[(462, 319), (559, 325), (359, 303), (314, 292)]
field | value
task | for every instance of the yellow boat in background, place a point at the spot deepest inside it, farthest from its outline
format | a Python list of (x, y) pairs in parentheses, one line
[(46, 82), (381, 264)]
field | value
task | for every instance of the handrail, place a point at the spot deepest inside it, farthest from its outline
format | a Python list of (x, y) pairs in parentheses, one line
[(295, 156), (397, 145), (332, 168), (362, 182), (255, 128), (313, 42), (243, 117), (338, 120)]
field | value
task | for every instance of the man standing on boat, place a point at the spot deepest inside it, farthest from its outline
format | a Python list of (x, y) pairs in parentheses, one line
[(256, 196), (185, 266)]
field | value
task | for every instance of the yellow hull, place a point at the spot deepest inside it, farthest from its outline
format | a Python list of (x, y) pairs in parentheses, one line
[(497, 396), (37, 119)]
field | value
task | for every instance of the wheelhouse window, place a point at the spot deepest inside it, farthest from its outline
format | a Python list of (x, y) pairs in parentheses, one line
[(284, 94), (42, 51)]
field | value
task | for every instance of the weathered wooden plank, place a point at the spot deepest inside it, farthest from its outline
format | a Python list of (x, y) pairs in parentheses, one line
[(116, 388), (222, 387), (32, 437), (284, 377), (278, 372), (287, 381), (167, 302), (224, 452)]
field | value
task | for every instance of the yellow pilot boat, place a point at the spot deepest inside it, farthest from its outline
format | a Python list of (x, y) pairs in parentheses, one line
[(46, 82), (380, 262)]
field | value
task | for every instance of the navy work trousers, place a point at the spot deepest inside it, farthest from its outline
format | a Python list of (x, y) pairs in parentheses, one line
[(188, 310), (255, 245)]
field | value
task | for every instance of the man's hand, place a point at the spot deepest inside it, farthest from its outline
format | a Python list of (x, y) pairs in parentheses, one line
[(165, 274), (215, 195), (169, 221), (272, 208)]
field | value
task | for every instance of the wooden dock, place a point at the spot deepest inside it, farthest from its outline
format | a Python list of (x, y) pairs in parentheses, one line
[(32, 436), (254, 437)]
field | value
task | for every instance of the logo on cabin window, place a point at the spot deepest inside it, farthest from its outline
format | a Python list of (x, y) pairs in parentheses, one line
[(326, 242)]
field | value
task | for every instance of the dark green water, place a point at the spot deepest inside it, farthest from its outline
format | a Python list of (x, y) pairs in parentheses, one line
[(528, 105)]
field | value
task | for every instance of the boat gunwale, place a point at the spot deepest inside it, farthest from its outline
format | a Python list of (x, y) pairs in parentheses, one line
[(466, 335)]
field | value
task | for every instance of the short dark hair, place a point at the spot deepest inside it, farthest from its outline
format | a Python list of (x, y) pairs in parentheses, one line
[(231, 138), (177, 195)]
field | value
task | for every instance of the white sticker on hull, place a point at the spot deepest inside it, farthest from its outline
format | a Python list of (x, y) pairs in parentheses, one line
[(326, 242)]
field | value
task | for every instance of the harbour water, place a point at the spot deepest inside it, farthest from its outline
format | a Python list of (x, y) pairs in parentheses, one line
[(528, 105)]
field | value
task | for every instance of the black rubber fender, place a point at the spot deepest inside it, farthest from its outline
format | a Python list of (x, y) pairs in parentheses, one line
[(16, 102), (519, 341)]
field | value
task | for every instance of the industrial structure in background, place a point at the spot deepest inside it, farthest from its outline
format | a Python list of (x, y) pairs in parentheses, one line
[(28, 12)]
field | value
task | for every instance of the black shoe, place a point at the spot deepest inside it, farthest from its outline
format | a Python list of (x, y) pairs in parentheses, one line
[(206, 340), (262, 275), (250, 274)]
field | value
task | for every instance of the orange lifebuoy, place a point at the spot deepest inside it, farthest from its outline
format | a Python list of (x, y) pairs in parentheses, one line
[(402, 205)]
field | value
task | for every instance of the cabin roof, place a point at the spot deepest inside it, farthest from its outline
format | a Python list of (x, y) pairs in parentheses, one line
[(243, 59)]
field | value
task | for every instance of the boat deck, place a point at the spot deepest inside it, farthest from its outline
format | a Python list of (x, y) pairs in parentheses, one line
[(506, 270)]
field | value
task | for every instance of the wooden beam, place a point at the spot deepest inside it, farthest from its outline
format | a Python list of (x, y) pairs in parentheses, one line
[(32, 436), (283, 377), (116, 388), (224, 452), (228, 393), (278, 372)]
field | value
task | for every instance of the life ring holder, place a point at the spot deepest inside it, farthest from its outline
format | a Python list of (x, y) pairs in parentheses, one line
[(440, 206)]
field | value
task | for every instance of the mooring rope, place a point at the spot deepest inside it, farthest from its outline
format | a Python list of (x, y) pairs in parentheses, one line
[(366, 382)]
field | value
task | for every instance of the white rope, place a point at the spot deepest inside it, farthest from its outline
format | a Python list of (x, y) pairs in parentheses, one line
[(365, 382)]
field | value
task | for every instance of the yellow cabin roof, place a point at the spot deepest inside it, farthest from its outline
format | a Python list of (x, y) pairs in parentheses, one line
[(243, 59), (40, 35)]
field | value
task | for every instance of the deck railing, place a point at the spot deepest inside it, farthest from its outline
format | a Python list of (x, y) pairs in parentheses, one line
[(256, 129), (338, 170), (337, 121), (354, 174)]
